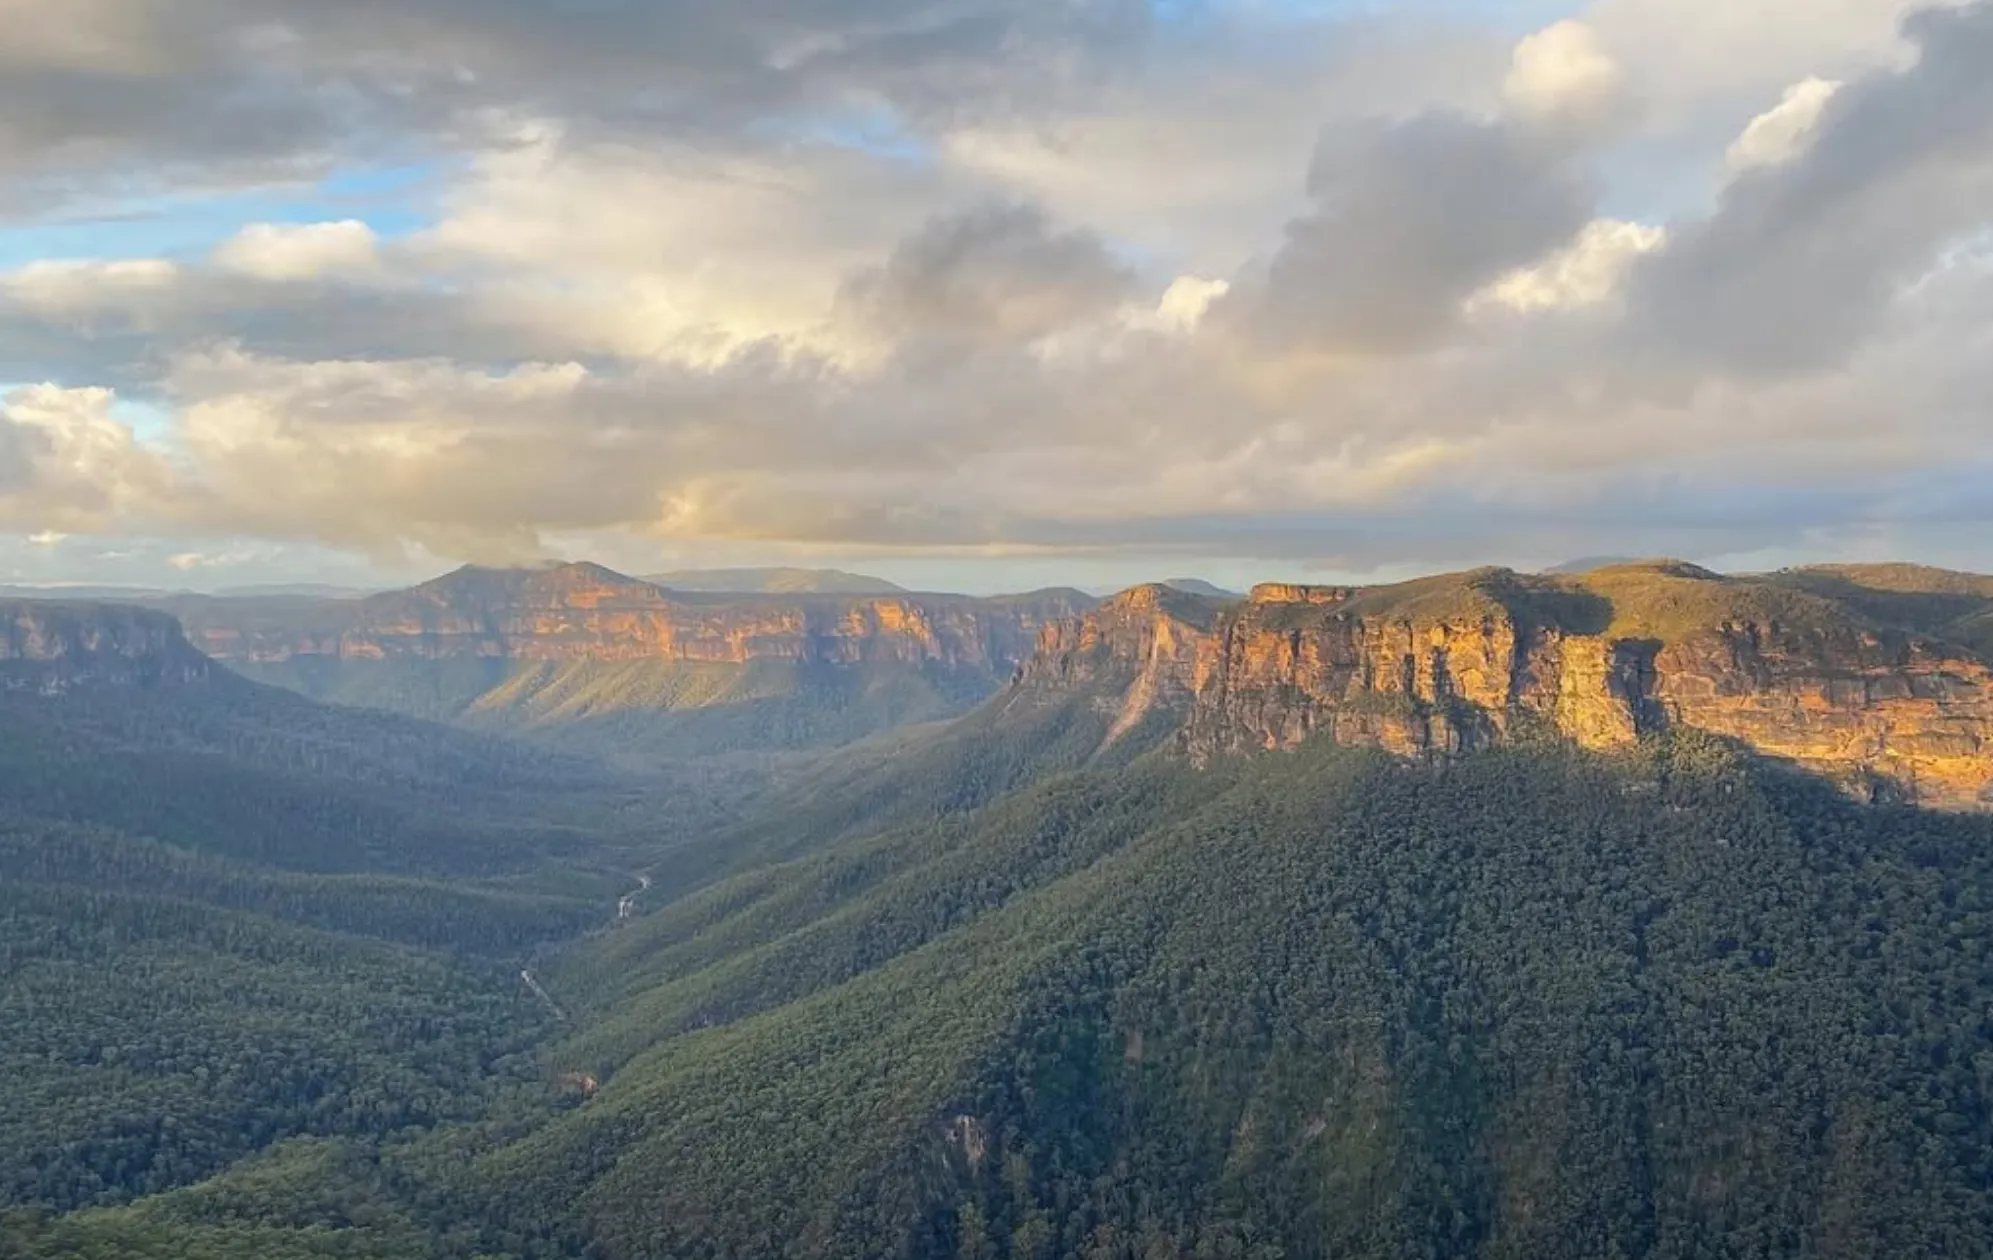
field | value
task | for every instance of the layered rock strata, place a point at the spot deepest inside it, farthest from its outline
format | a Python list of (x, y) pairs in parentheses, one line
[(1441, 667)]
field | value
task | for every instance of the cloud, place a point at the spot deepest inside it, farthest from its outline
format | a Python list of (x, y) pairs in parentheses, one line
[(1700, 63), (301, 251), (1563, 77), (22, 448), (1588, 272), (1410, 219), (68, 465), (904, 277), (247, 91), (1801, 259), (1781, 133), (995, 272), (1194, 158), (1188, 299)]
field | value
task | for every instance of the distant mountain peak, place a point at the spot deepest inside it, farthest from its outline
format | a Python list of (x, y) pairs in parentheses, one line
[(1198, 586), (478, 585)]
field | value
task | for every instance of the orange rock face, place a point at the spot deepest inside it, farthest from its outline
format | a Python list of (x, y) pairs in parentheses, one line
[(584, 612), (1437, 672)]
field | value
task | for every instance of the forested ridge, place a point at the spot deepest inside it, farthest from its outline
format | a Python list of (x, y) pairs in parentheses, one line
[(987, 992)]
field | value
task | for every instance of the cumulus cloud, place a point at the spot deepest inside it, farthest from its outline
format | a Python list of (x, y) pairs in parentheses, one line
[(1801, 259), (1188, 299), (67, 464), (1781, 133), (897, 276), (1410, 219), (1001, 272), (1695, 64), (1562, 76), (1586, 273), (302, 251)]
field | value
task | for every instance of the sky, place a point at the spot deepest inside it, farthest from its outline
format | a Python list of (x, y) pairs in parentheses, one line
[(991, 294)]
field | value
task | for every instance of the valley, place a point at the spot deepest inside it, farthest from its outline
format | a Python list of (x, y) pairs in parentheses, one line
[(609, 664), (1639, 911), (996, 630)]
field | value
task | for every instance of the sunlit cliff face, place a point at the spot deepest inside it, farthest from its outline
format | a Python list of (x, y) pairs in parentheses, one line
[(1441, 667), (585, 613)]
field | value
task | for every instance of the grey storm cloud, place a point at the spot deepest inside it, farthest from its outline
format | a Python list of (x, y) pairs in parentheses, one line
[(999, 272), (1802, 260), (1410, 218)]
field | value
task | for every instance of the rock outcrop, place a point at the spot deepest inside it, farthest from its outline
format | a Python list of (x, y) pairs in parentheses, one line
[(1439, 667), (53, 648)]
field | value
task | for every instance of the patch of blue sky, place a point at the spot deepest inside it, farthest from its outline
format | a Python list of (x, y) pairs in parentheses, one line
[(394, 201), (150, 421)]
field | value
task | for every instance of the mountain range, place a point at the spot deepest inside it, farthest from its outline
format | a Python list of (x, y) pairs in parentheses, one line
[(1874, 675), (612, 663), (1637, 912)]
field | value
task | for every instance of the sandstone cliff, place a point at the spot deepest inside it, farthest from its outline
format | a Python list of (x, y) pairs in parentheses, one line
[(615, 665), (586, 612), (1439, 667), (52, 648)]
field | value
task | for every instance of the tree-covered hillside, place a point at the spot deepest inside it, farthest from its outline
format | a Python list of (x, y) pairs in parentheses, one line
[(1537, 1003), (229, 917), (1004, 988), (1534, 1005)]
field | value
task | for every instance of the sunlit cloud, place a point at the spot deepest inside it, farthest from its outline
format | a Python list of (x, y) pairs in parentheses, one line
[(996, 282)]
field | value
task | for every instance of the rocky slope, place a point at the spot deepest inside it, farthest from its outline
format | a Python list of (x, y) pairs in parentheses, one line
[(1441, 666), (52, 648)]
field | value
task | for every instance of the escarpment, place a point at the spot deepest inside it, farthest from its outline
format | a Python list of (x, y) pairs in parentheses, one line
[(585, 653), (53, 648), (586, 612), (1443, 666)]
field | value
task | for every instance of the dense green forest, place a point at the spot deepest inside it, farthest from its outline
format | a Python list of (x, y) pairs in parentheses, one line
[(974, 991), (230, 918), (1538, 1004)]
